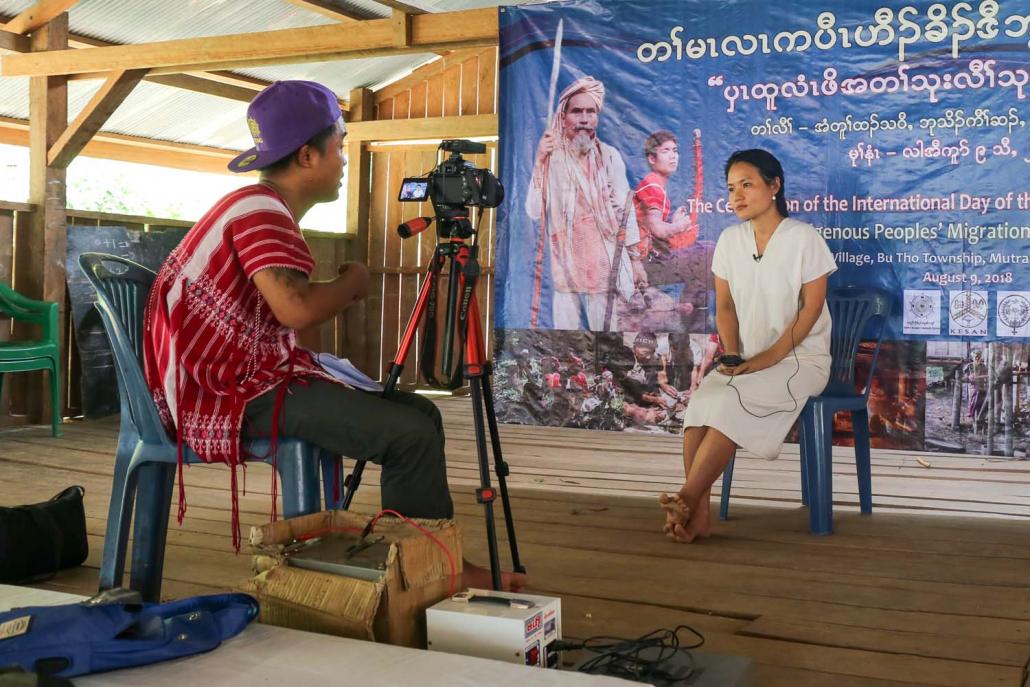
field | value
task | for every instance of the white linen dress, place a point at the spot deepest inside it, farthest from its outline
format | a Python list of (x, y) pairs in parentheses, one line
[(766, 294)]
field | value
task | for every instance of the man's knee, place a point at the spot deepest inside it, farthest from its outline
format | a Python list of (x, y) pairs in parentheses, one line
[(414, 437)]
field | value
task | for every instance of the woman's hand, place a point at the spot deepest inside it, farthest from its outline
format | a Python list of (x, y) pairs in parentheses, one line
[(759, 362)]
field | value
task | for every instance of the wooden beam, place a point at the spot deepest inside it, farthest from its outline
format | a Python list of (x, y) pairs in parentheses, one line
[(207, 86), (327, 9), (41, 247), (429, 32), (401, 29), (467, 126), (402, 6), (147, 151), (13, 42), (222, 84), (350, 332), (103, 104), (38, 15)]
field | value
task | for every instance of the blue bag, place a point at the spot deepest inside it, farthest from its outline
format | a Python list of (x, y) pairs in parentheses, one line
[(78, 639)]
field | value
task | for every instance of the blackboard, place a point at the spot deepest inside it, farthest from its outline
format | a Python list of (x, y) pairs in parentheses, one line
[(99, 382)]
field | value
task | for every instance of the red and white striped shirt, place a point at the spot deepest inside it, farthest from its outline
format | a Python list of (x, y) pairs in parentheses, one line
[(212, 342)]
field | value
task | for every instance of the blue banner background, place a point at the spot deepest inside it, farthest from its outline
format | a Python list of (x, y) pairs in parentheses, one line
[(962, 88)]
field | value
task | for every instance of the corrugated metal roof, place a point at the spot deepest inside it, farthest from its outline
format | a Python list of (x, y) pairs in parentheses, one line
[(162, 112)]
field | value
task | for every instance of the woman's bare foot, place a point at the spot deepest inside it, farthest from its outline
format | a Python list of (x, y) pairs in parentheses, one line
[(700, 522), (477, 577), (677, 517)]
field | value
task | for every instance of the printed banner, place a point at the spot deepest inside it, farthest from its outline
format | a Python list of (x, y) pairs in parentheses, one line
[(903, 135)]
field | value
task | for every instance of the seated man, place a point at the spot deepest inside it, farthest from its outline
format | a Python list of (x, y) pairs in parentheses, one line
[(221, 354)]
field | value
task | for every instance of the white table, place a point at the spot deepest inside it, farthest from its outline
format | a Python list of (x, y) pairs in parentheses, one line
[(267, 655)]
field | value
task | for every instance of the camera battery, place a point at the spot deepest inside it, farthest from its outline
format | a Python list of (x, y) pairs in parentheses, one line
[(512, 627)]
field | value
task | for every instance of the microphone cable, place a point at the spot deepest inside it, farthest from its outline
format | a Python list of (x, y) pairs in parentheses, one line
[(794, 350)]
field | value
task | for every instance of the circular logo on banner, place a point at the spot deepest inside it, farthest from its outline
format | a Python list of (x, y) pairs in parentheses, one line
[(1014, 312), (921, 305), (968, 309)]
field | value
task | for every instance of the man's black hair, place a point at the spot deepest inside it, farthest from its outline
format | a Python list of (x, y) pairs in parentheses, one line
[(318, 141), (768, 166)]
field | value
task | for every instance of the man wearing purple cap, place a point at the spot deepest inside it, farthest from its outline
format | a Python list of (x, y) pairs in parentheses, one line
[(222, 358)]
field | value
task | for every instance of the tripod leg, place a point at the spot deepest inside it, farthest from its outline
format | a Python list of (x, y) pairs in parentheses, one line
[(353, 480), (485, 494), (501, 468)]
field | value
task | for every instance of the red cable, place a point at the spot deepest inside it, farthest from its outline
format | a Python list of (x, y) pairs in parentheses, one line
[(423, 530)]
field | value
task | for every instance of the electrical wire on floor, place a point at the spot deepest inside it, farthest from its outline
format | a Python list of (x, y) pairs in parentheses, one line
[(649, 658)]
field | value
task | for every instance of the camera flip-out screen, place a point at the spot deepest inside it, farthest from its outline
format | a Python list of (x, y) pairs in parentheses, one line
[(414, 189)]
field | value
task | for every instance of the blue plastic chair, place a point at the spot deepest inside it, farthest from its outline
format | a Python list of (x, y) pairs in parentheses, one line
[(853, 310), (146, 457)]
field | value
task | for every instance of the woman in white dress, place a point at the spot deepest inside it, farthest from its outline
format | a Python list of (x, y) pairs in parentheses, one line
[(770, 288)]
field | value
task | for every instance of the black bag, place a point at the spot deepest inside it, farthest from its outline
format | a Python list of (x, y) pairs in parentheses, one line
[(38, 540)]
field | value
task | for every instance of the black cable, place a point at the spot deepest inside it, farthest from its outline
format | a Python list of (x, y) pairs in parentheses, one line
[(794, 350), (645, 659)]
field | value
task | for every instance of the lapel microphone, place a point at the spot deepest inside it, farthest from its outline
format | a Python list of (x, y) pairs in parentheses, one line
[(757, 257)]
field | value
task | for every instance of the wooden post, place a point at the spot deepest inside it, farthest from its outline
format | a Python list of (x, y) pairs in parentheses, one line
[(351, 336), (41, 245)]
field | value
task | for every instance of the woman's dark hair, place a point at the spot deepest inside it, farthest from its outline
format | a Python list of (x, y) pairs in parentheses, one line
[(768, 166), (318, 141)]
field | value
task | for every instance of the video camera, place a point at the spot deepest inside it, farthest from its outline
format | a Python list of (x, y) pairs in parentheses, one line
[(452, 187)]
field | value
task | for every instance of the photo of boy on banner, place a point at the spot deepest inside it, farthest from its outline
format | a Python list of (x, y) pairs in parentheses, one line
[(677, 265)]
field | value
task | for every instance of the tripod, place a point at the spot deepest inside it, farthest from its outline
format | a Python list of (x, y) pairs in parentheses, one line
[(462, 317)]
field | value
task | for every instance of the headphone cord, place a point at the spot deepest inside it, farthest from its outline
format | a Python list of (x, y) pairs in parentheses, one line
[(794, 350)]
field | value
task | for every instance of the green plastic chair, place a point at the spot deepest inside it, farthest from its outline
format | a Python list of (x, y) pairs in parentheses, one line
[(37, 354)]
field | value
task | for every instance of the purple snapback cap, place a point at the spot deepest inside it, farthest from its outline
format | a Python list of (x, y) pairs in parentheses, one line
[(282, 118)]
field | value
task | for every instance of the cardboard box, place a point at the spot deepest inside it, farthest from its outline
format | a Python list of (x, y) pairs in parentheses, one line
[(391, 609)]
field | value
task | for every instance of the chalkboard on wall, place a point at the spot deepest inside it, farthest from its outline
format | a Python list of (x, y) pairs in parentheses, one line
[(99, 382)]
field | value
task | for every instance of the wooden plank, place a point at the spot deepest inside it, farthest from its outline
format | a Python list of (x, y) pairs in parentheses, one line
[(402, 6), (907, 642), (207, 86), (41, 266), (38, 15), (469, 86), (411, 165), (94, 115), (426, 127), (392, 317), (429, 32), (434, 96), (488, 81), (426, 72), (401, 28), (401, 108), (418, 100), (328, 9), (376, 258), (135, 149), (584, 617), (888, 601), (452, 91), (218, 83), (13, 42)]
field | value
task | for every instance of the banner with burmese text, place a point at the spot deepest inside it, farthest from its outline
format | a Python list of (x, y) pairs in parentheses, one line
[(902, 129)]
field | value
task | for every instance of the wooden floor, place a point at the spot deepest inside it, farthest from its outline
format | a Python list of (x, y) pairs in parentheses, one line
[(930, 590)]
